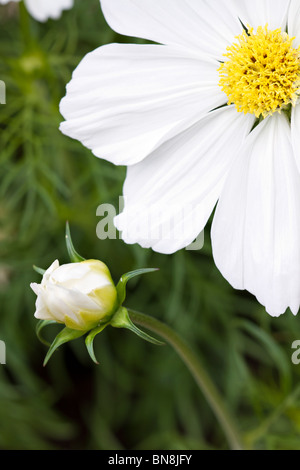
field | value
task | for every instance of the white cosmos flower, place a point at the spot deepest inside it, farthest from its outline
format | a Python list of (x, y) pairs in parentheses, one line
[(163, 110), (42, 10)]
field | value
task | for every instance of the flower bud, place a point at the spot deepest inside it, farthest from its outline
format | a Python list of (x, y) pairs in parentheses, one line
[(80, 295)]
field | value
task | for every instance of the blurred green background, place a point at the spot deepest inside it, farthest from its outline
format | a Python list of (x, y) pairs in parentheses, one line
[(140, 396)]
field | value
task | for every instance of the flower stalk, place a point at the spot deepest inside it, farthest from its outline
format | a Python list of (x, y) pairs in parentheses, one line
[(201, 377)]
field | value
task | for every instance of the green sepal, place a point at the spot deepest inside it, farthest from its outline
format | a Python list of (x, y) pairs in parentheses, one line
[(74, 256), (121, 287), (39, 270), (64, 336), (121, 319), (89, 341), (40, 326)]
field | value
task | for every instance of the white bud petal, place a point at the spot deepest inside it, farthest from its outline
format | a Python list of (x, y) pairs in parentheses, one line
[(77, 294)]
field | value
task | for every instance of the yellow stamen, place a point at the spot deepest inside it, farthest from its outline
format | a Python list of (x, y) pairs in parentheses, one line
[(262, 73)]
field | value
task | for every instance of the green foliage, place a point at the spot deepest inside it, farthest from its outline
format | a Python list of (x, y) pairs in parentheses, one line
[(74, 256), (140, 396)]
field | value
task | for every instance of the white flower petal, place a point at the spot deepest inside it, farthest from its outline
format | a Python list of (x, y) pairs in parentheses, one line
[(171, 194), (63, 302), (124, 101), (41, 311), (83, 277), (42, 10), (35, 287), (4, 2), (256, 228), (43, 314), (261, 12), (70, 272), (50, 270), (49, 306), (208, 26), (294, 21), (295, 125)]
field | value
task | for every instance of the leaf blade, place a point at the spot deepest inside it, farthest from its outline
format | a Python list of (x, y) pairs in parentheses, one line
[(40, 326), (63, 337), (74, 256), (121, 286), (89, 341)]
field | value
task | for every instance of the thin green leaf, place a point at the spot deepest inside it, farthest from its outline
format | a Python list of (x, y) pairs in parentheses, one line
[(121, 319), (64, 336), (74, 256), (39, 270), (40, 326), (121, 287), (89, 341)]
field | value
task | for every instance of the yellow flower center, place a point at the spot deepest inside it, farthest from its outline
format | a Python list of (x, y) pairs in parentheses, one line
[(262, 73)]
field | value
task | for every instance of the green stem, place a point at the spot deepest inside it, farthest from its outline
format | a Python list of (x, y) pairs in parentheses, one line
[(263, 429), (202, 379), (25, 26)]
